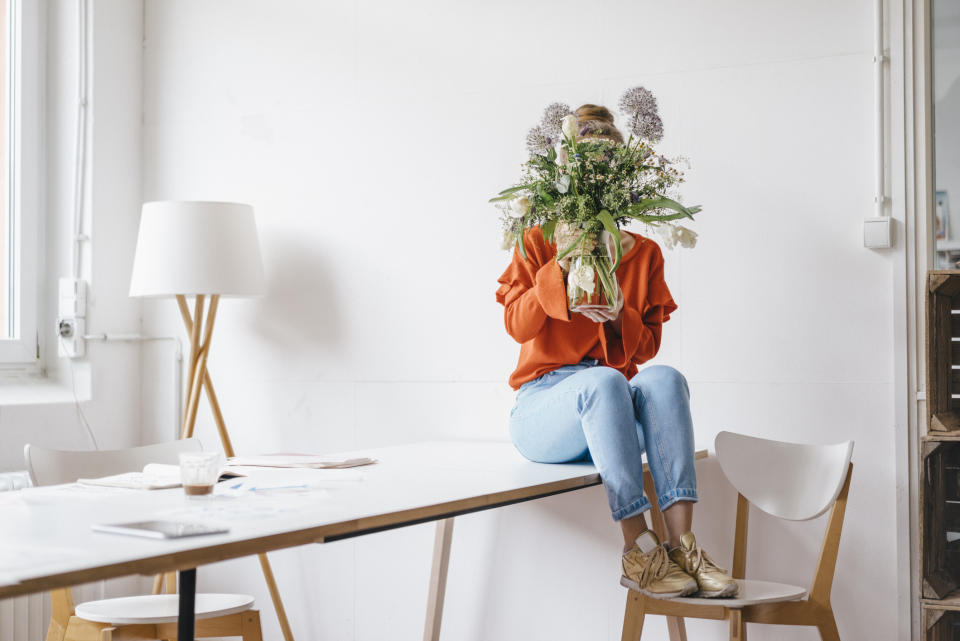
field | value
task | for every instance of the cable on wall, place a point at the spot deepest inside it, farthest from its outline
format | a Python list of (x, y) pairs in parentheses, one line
[(177, 368), (879, 58), (80, 164)]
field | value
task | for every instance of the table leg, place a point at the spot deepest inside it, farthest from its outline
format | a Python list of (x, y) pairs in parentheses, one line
[(438, 579), (188, 593)]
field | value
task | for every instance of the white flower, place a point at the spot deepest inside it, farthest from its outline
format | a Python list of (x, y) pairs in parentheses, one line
[(569, 126), (519, 207), (674, 234), (508, 241), (686, 237), (581, 276), (563, 157), (668, 234)]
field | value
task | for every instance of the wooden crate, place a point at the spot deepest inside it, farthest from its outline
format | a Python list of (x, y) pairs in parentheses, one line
[(941, 622), (943, 350), (940, 518)]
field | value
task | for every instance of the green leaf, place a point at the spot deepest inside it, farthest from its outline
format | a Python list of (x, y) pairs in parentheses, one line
[(548, 228), (547, 198), (520, 246), (513, 190), (552, 155), (655, 218), (611, 226), (497, 199), (662, 203)]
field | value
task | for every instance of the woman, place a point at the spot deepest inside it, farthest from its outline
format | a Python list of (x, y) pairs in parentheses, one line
[(580, 396)]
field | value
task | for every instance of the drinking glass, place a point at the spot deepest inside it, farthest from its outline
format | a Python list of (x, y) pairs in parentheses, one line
[(199, 472)]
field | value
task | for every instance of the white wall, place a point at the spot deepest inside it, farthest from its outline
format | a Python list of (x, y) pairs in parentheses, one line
[(369, 136), (108, 378)]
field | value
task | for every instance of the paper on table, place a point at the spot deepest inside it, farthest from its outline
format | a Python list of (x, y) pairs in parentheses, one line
[(155, 476), (298, 460)]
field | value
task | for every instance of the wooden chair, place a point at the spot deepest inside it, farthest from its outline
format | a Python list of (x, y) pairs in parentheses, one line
[(138, 617), (787, 480)]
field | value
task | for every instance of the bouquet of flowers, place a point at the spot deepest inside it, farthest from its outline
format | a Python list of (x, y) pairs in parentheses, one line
[(582, 191)]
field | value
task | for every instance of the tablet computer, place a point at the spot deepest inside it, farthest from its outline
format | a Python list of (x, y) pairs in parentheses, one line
[(160, 529)]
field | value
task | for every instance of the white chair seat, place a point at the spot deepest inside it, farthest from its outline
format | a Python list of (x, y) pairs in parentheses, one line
[(751, 593), (160, 608)]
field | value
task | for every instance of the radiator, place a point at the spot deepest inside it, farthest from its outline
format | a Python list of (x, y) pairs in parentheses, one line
[(23, 618)]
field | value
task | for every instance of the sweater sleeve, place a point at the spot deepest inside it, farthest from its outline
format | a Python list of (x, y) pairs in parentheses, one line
[(646, 308), (532, 289)]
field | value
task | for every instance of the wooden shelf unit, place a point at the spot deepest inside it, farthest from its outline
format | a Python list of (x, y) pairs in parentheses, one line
[(940, 461), (943, 351)]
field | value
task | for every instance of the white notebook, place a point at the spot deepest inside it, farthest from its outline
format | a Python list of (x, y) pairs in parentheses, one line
[(155, 476)]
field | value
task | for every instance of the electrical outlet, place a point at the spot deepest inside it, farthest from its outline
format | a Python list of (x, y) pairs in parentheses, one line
[(71, 324), (70, 342)]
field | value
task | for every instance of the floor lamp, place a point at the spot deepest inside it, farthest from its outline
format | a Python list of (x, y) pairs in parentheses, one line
[(205, 250)]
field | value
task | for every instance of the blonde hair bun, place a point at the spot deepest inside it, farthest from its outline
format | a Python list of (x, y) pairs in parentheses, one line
[(596, 121)]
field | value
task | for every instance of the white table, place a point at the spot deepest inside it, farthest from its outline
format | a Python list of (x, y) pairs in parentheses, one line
[(48, 543)]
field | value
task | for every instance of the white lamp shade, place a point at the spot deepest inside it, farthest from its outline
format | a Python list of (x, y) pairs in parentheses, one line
[(192, 248)]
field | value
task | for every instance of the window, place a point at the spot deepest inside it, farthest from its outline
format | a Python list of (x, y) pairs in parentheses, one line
[(21, 113)]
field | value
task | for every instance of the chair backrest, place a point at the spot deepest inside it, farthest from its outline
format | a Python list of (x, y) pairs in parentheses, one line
[(791, 481), (50, 467)]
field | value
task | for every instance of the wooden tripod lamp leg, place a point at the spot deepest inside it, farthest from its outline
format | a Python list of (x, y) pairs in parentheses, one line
[(200, 378), (207, 385), (201, 368)]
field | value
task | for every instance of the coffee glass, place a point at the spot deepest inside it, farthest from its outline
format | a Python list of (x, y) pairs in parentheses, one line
[(199, 472)]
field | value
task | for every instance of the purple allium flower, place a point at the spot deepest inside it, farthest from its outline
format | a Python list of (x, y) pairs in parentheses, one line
[(537, 142), (552, 117), (640, 107), (634, 197), (638, 101), (648, 127)]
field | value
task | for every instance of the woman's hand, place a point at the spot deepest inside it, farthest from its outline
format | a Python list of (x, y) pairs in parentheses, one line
[(605, 316)]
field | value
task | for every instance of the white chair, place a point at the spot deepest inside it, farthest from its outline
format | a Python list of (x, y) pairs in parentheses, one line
[(790, 481), (151, 616)]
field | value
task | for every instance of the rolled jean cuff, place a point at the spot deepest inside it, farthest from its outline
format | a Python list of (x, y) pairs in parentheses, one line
[(679, 494), (639, 506)]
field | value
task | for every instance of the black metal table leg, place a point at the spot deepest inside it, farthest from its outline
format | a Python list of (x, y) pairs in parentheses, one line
[(188, 594)]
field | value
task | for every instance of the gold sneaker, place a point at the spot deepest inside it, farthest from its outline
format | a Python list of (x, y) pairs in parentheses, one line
[(692, 559), (647, 568)]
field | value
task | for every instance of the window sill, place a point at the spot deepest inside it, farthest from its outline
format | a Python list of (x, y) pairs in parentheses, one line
[(26, 388)]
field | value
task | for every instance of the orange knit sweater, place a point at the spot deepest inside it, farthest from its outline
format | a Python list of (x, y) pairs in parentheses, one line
[(534, 297)]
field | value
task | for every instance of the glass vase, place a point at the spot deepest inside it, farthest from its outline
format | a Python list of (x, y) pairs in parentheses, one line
[(591, 282)]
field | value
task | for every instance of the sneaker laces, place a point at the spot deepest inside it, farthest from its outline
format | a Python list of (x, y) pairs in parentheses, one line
[(653, 565), (702, 559)]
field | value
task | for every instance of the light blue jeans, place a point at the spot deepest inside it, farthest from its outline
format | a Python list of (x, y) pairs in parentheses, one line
[(589, 411)]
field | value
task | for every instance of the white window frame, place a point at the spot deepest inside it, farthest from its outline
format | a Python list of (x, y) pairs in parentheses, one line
[(25, 175)]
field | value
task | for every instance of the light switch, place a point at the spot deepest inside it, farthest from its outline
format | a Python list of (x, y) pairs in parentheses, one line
[(878, 232)]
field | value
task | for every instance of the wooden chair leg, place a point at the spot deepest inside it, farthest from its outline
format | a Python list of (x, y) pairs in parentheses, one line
[(633, 617), (828, 628), (61, 604), (171, 579), (677, 629), (737, 626), (106, 634), (251, 626)]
